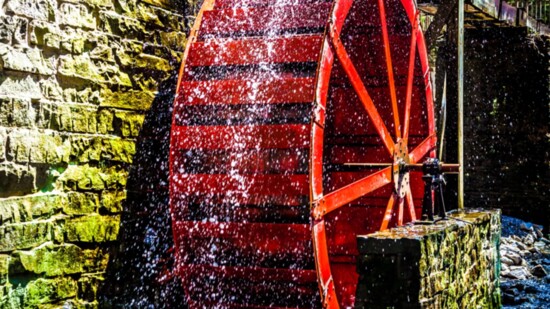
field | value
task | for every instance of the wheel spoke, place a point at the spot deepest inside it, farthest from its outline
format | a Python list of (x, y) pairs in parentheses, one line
[(351, 192), (389, 67), (362, 92), (410, 78), (387, 213), (410, 203), (422, 149), (400, 212)]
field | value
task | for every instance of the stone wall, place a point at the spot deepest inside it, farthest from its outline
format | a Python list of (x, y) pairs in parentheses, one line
[(77, 78), (452, 264)]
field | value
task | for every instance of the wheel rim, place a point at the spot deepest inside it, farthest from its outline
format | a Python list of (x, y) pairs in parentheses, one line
[(235, 243)]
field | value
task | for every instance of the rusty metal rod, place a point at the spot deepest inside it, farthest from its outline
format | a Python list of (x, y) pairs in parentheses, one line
[(448, 168)]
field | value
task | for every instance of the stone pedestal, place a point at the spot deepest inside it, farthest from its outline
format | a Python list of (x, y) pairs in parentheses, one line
[(453, 263)]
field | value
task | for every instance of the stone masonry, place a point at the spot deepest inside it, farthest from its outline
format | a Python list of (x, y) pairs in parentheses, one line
[(452, 264), (76, 80)]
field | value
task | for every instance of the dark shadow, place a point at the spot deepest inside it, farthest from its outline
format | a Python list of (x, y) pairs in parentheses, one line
[(132, 279)]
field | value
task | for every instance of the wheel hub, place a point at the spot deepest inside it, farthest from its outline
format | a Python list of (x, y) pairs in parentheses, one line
[(400, 172)]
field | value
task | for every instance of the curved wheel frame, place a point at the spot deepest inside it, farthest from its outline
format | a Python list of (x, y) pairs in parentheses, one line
[(325, 203)]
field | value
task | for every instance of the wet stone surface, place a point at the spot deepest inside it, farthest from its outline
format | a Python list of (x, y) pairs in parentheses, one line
[(525, 265), (453, 263)]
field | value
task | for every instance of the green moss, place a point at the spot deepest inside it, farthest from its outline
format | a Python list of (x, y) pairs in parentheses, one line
[(4, 260), (43, 291), (24, 235), (80, 203), (50, 260), (92, 228)]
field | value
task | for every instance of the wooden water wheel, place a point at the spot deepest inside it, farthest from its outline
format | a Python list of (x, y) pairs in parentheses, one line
[(277, 103)]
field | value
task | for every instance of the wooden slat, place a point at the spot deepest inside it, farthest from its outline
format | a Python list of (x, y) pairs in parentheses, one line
[(256, 274), (271, 91), (199, 229), (250, 51), (250, 184), (250, 161), (254, 20), (241, 137), (254, 250), (213, 290)]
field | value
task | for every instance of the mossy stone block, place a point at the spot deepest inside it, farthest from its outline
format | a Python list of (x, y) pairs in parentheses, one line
[(44, 291), (24, 235), (4, 262), (51, 260), (92, 228)]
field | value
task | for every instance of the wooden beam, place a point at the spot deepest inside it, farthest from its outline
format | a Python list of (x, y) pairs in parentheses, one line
[(444, 11)]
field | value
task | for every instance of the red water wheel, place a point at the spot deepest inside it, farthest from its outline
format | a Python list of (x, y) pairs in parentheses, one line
[(293, 122)]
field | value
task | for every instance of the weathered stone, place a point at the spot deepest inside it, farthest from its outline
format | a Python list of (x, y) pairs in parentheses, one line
[(51, 260), (100, 3), (145, 61), (16, 179), (34, 9), (85, 149), (516, 258), (17, 112), (539, 271), (148, 14), (112, 202), (24, 235), (3, 139), (132, 47), (92, 228), (114, 178), (37, 148), (173, 40), (67, 99), (14, 298), (6, 29), (120, 25), (529, 240), (79, 67), (118, 150), (82, 178), (95, 260), (159, 3), (76, 15), (83, 119), (80, 203), (20, 87), (25, 60), (23, 113), (21, 209), (506, 260), (13, 30), (45, 34), (88, 286), (134, 100), (518, 272), (80, 96), (105, 121), (450, 264), (51, 89), (44, 291), (4, 261)]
